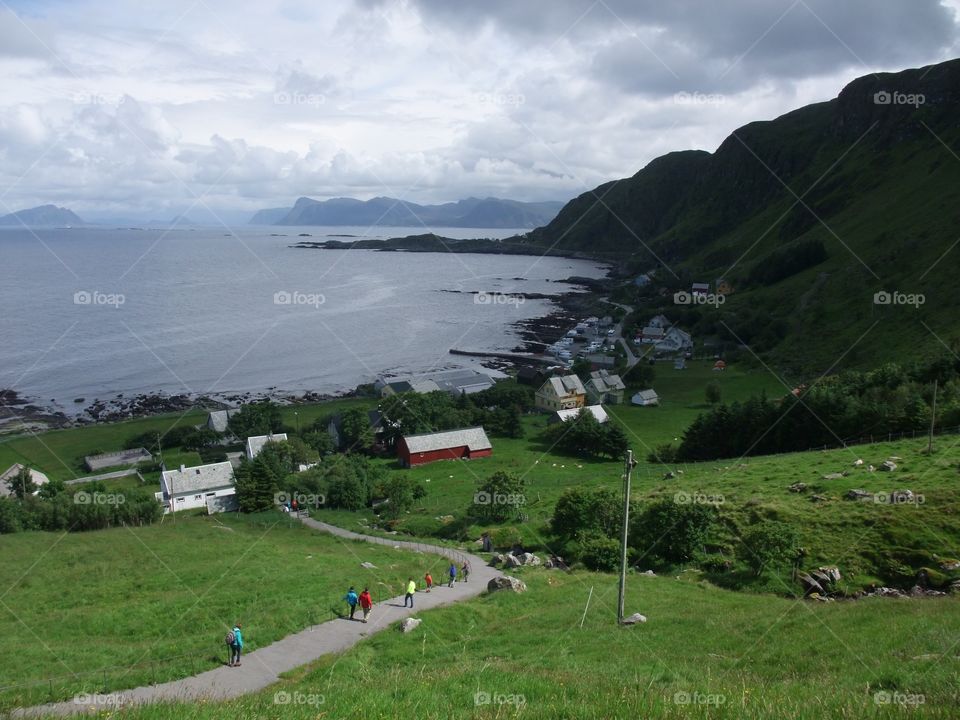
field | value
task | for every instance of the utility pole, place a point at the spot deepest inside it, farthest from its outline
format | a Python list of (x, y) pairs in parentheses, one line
[(933, 417), (627, 470)]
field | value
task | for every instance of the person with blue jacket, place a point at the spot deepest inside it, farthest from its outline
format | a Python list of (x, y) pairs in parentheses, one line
[(352, 599), (235, 647)]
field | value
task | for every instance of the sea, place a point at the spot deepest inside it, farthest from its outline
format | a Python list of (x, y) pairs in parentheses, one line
[(97, 312)]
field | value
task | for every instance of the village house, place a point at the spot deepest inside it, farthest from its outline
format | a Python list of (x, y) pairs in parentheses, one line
[(674, 340), (650, 335), (218, 420), (528, 375), (601, 362), (563, 415), (193, 487), (255, 443), (605, 387), (13, 472), (464, 444), (646, 398), (561, 393), (659, 321)]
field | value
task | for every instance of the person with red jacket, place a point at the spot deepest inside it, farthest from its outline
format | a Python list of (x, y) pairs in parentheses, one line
[(366, 603), (429, 579)]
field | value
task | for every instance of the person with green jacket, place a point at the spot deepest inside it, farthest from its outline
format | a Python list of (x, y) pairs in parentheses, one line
[(411, 589), (235, 647)]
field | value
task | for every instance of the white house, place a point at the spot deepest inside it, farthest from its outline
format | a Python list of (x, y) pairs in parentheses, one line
[(563, 415), (219, 419), (659, 321), (646, 398), (605, 387), (674, 340), (191, 487), (13, 472), (255, 443)]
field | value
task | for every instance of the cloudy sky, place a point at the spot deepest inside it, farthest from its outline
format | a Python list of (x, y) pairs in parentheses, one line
[(146, 109)]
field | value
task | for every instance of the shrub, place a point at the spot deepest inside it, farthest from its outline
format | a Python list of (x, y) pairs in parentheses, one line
[(598, 552), (672, 531), (578, 510), (769, 544)]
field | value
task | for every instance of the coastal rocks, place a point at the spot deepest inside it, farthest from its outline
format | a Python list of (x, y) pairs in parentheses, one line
[(635, 619), (506, 582), (409, 624)]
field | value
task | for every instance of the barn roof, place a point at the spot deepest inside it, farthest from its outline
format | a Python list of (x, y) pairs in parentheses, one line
[(474, 439), (596, 410)]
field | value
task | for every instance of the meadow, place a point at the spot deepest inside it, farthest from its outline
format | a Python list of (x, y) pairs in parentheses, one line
[(104, 610)]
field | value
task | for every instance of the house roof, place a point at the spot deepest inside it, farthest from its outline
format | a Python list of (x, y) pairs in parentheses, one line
[(596, 410), (186, 480), (11, 472), (604, 381), (255, 443), (600, 359), (651, 331), (646, 395), (566, 385), (474, 438), (218, 419), (454, 381)]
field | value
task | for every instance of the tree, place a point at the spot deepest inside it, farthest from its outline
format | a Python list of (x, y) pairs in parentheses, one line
[(399, 493), (356, 433), (498, 497), (256, 418), (769, 544), (22, 485), (579, 510), (712, 393), (671, 530), (258, 483)]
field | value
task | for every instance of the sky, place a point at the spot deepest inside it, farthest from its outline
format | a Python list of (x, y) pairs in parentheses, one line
[(208, 108)]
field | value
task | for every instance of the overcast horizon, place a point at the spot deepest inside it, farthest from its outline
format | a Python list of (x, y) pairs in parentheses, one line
[(117, 111)]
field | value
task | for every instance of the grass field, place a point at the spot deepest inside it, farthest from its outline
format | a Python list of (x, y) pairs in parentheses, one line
[(95, 611), (556, 652)]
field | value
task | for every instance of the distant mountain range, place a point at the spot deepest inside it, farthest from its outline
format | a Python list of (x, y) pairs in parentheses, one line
[(385, 211), (42, 216)]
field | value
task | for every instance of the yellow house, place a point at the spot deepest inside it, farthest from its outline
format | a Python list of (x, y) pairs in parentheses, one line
[(561, 393)]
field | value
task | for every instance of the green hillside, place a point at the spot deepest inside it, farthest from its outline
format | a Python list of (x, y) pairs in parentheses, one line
[(806, 217)]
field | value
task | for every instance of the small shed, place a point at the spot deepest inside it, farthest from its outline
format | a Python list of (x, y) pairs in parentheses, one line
[(646, 398)]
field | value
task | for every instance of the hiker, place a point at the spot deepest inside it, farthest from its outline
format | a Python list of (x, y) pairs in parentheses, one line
[(366, 603), (352, 600), (411, 589), (429, 578), (465, 570), (453, 574), (234, 645)]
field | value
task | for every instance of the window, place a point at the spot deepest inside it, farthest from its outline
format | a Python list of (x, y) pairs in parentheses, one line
[(179, 499), (198, 497)]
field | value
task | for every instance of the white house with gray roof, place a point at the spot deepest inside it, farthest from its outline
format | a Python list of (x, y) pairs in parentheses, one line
[(605, 387), (561, 393), (255, 443), (190, 487)]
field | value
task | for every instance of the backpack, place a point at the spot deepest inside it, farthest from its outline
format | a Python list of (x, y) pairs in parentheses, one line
[(231, 638)]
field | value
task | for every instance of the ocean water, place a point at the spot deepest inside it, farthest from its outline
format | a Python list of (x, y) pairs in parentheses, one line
[(95, 312)]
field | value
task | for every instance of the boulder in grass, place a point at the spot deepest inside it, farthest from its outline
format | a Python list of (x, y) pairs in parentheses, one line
[(635, 619), (497, 559), (834, 476), (530, 559), (858, 494), (368, 565), (798, 487), (409, 624), (505, 582), (888, 466)]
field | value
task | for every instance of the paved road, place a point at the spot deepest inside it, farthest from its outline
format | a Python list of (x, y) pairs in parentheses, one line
[(263, 667)]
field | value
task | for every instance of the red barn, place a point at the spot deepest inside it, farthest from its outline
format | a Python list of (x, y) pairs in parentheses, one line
[(464, 444)]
